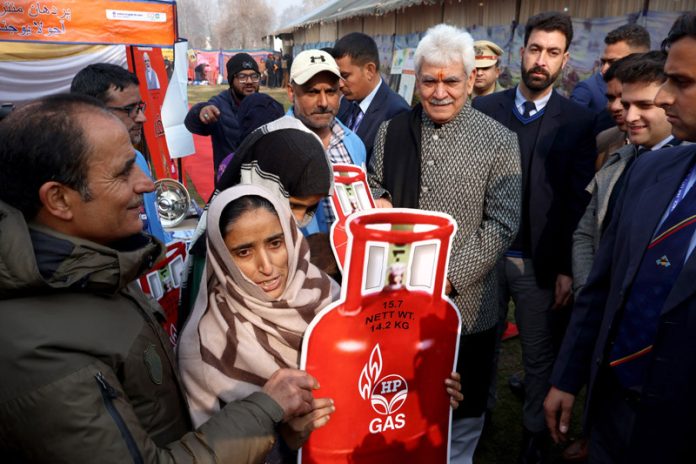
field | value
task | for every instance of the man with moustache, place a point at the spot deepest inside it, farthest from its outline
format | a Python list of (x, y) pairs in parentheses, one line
[(630, 338), (119, 90), (88, 375), (557, 146), (218, 117), (590, 93), (315, 95), (445, 156), (368, 101)]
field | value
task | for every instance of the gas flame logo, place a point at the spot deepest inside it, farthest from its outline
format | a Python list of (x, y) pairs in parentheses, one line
[(386, 394)]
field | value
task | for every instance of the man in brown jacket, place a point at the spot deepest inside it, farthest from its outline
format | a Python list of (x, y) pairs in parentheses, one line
[(87, 373)]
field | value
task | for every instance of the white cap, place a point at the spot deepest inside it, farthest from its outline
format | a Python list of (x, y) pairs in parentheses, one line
[(309, 63)]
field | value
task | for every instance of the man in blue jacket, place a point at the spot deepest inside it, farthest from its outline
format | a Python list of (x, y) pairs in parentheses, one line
[(315, 95), (218, 116)]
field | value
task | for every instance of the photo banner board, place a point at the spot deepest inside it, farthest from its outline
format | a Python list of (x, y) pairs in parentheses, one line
[(148, 65), (89, 22), (383, 351)]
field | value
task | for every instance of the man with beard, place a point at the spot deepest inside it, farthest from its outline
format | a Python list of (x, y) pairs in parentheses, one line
[(315, 95), (118, 90), (218, 116), (444, 156), (150, 75), (557, 148)]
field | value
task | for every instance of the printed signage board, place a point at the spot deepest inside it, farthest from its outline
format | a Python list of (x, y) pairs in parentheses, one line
[(383, 351)]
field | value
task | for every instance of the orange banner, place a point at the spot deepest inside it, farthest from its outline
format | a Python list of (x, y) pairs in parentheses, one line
[(89, 21), (147, 63)]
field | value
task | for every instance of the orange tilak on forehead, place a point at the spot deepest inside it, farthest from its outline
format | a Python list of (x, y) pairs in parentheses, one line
[(440, 75)]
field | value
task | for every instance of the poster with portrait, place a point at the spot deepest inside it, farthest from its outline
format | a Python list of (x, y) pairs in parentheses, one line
[(148, 65), (383, 351)]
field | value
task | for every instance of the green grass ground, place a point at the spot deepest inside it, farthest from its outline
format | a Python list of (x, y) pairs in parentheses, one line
[(501, 443), (199, 93)]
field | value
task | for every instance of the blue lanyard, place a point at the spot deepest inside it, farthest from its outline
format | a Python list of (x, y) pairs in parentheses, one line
[(682, 189)]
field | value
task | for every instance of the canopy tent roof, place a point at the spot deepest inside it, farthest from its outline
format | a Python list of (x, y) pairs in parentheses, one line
[(343, 9)]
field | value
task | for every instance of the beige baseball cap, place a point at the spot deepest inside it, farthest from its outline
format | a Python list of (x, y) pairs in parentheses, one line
[(309, 63), (487, 53)]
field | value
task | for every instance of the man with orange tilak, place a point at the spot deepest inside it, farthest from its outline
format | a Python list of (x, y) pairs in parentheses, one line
[(445, 156)]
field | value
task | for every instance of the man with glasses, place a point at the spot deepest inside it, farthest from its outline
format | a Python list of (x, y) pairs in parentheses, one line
[(118, 90), (218, 117)]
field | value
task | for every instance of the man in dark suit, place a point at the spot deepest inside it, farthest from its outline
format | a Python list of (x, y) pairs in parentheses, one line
[(368, 99), (557, 149), (631, 334), (591, 93)]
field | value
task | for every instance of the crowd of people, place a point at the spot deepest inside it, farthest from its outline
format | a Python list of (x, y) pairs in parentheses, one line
[(580, 210)]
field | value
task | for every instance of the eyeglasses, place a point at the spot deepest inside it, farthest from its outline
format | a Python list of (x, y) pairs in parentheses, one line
[(248, 77), (131, 110)]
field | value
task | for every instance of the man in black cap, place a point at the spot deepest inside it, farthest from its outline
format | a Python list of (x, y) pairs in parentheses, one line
[(218, 116)]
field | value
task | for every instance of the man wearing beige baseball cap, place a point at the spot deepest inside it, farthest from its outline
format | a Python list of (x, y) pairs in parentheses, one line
[(315, 95), (487, 68)]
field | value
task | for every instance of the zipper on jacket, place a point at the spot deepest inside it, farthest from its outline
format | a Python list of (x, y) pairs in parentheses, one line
[(108, 395)]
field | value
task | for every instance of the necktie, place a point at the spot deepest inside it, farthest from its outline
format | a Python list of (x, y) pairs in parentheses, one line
[(661, 264), (356, 118), (528, 106)]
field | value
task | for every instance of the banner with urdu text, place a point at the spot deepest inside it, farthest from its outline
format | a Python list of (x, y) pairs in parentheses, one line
[(89, 22)]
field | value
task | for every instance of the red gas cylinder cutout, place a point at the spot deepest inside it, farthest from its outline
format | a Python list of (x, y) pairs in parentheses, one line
[(351, 194), (384, 350)]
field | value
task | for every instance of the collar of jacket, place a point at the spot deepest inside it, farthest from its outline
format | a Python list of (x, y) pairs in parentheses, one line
[(34, 258)]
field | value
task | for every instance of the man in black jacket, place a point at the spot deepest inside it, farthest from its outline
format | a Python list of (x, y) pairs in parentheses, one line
[(557, 149), (218, 116)]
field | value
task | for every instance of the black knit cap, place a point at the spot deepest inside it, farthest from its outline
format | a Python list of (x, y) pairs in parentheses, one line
[(240, 62)]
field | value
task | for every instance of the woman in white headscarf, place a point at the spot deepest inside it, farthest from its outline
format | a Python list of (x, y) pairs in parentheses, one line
[(257, 297)]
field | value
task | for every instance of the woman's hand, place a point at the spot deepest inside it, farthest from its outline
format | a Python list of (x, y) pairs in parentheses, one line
[(296, 431), (454, 389)]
